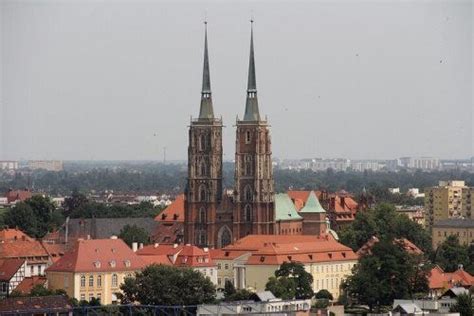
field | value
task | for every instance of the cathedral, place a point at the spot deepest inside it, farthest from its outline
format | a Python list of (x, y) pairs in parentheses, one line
[(215, 217)]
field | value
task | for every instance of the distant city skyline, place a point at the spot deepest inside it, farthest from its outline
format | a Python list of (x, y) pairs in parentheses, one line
[(115, 81)]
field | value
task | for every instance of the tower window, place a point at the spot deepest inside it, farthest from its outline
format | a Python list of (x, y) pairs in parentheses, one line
[(248, 196), (202, 142), (248, 213), (202, 215), (248, 137), (202, 194), (202, 169), (248, 165)]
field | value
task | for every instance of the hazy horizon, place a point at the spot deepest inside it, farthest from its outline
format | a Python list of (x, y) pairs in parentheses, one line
[(119, 80)]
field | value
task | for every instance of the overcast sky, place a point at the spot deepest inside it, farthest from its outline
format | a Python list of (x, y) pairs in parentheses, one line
[(120, 80)]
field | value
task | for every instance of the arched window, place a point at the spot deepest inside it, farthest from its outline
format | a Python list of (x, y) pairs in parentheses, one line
[(202, 169), (202, 238), (248, 137), (99, 281), (202, 193), (114, 280), (91, 281), (202, 142), (248, 165), (83, 280), (248, 213), (248, 195), (202, 215)]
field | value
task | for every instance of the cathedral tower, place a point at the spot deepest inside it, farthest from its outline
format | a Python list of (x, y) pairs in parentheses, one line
[(254, 211), (204, 183)]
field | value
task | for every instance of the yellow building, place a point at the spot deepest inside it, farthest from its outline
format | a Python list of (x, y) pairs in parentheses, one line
[(328, 261), (468, 202), (443, 201), (94, 269), (463, 228)]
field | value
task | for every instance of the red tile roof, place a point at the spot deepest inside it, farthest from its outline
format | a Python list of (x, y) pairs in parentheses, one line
[(22, 249), (29, 283), (178, 255), (438, 279), (9, 267), (35, 305), (9, 234), (174, 212), (407, 245), (105, 255), (276, 249), (18, 195)]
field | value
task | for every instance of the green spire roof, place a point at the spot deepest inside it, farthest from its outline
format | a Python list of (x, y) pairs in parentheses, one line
[(284, 208), (251, 105), (312, 205), (206, 111)]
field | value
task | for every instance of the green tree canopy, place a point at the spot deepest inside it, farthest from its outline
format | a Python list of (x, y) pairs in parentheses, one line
[(388, 273), (384, 222), (450, 254), (464, 305), (133, 233), (291, 281), (165, 285), (324, 294)]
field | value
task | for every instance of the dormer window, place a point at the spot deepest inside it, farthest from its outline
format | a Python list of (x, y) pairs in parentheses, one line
[(127, 263), (97, 264), (112, 263)]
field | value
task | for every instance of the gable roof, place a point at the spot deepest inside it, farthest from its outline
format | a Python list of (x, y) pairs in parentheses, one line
[(312, 205), (438, 279), (29, 283), (285, 209), (9, 267), (13, 234), (104, 255), (174, 212), (22, 249), (409, 247)]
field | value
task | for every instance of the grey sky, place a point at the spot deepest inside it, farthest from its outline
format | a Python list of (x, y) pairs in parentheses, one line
[(98, 79)]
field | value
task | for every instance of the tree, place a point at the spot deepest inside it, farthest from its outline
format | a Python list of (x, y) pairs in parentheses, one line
[(133, 233), (450, 254), (387, 273), (291, 281), (384, 222), (324, 294), (76, 201), (282, 287), (23, 217), (464, 305), (232, 295), (165, 285)]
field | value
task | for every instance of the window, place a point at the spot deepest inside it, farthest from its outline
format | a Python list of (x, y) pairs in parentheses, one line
[(99, 281), (202, 169), (91, 296), (127, 263), (83, 280), (91, 281), (219, 281), (248, 195), (32, 270), (112, 263), (66, 282), (226, 266), (219, 266), (248, 137), (83, 297), (99, 296), (248, 165), (39, 270), (248, 213), (202, 193), (114, 280), (202, 215)]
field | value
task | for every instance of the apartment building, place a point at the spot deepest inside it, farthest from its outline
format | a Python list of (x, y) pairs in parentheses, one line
[(444, 201), (468, 202)]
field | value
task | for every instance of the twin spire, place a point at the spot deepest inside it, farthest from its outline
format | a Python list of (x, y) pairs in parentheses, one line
[(206, 111)]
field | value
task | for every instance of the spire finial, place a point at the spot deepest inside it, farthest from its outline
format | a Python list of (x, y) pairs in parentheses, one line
[(251, 107), (206, 111)]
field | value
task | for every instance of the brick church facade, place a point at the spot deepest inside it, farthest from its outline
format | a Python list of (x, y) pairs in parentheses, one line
[(214, 217)]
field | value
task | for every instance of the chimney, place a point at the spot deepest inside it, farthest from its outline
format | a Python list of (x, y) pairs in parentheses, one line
[(134, 246), (206, 249), (113, 237), (460, 267), (175, 245), (156, 245), (140, 246)]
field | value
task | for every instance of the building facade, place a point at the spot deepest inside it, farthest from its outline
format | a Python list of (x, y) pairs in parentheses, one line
[(463, 228), (444, 201), (95, 268)]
